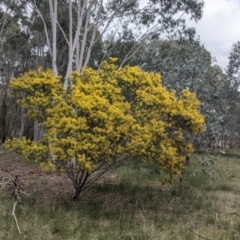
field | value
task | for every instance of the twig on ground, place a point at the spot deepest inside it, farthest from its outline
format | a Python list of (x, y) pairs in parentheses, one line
[(200, 235), (17, 190), (13, 213), (216, 214)]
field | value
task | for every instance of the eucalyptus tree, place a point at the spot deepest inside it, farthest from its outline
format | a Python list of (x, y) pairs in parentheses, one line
[(90, 20), (233, 68), (15, 58), (213, 106), (230, 134)]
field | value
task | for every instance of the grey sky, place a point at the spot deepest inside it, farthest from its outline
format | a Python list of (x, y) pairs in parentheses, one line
[(219, 28)]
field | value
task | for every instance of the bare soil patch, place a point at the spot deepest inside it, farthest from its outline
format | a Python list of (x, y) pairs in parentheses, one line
[(38, 184)]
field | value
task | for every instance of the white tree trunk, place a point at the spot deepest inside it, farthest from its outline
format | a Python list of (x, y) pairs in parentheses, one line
[(22, 123), (53, 15), (90, 17)]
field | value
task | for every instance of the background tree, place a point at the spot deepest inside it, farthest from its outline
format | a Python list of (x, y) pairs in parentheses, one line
[(230, 128), (15, 58), (89, 21)]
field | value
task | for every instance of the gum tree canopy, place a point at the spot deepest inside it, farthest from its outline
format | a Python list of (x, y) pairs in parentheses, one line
[(82, 24), (104, 117)]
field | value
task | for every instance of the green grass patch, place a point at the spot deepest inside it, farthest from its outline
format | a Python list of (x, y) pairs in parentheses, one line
[(130, 204)]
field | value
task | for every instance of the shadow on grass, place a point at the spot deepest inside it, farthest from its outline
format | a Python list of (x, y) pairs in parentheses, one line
[(227, 154)]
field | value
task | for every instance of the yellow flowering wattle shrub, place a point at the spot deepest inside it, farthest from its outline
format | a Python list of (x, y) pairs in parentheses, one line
[(103, 117)]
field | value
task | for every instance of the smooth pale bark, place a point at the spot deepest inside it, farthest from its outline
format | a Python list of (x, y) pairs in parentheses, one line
[(3, 21), (79, 51), (89, 22), (53, 15), (74, 43), (83, 44), (38, 131), (22, 123), (45, 27)]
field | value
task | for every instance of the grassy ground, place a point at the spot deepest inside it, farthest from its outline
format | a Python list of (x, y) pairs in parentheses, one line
[(126, 204)]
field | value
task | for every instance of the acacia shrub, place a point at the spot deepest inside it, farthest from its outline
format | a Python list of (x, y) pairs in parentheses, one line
[(103, 118)]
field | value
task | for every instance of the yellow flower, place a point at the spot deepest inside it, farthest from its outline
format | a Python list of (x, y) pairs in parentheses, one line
[(106, 114)]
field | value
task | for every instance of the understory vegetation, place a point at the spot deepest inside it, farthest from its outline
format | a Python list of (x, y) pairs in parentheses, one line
[(126, 204)]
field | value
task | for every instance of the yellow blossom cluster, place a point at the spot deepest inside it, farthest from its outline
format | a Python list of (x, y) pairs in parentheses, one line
[(37, 91), (106, 114)]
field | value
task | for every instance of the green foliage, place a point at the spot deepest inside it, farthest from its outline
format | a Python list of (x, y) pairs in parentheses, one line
[(230, 93)]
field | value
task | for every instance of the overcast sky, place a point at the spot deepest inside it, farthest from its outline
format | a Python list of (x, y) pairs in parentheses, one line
[(219, 28)]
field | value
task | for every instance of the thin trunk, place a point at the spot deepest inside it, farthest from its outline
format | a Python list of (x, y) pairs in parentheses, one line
[(70, 48), (22, 123), (45, 27), (3, 116), (77, 194), (35, 131), (75, 41), (3, 21), (53, 15), (84, 40), (77, 53), (81, 183), (38, 131), (93, 37)]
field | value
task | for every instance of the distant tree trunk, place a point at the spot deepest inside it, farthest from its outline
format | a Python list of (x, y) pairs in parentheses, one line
[(53, 6), (38, 131), (3, 115), (22, 123)]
